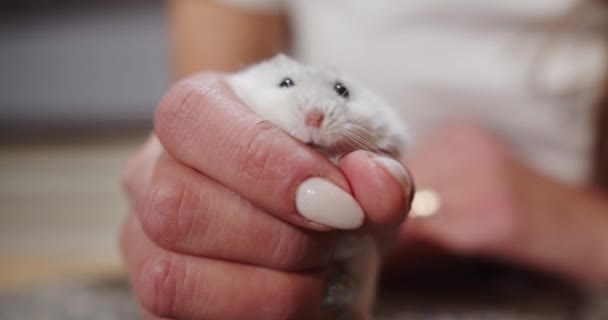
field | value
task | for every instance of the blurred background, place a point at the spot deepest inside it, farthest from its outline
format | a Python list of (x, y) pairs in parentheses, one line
[(79, 82)]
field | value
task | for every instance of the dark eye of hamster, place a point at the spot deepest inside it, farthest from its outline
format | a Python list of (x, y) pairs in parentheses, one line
[(286, 83), (341, 90)]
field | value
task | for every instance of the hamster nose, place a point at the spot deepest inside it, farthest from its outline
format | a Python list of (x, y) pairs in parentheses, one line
[(314, 118)]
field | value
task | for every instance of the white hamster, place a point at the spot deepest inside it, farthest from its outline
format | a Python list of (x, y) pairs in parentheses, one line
[(334, 115), (331, 113)]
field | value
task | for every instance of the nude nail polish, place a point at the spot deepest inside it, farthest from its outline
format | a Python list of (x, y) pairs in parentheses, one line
[(322, 202)]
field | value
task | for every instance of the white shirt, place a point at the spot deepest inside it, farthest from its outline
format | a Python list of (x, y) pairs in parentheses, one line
[(490, 60)]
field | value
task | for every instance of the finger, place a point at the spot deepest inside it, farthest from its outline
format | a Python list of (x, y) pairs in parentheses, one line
[(203, 125), (171, 285), (138, 171), (381, 185), (187, 212)]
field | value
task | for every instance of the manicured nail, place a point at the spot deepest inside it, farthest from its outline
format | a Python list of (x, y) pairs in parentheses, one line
[(397, 171), (322, 202)]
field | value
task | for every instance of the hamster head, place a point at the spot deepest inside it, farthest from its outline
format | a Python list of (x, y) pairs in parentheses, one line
[(328, 112)]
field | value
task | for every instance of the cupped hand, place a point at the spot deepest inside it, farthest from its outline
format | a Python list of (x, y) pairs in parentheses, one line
[(491, 204), (221, 225)]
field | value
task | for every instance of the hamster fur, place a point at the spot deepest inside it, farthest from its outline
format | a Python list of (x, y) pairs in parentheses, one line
[(335, 115), (330, 112)]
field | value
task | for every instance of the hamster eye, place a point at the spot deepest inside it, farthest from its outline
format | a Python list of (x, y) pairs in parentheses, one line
[(341, 90), (286, 83)]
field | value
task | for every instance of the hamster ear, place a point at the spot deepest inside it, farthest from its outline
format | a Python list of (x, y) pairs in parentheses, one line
[(282, 59)]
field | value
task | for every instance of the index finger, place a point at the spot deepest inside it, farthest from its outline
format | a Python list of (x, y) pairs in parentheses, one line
[(203, 124)]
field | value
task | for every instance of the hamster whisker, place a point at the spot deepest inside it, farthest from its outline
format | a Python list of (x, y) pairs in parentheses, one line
[(359, 140), (365, 133), (362, 131)]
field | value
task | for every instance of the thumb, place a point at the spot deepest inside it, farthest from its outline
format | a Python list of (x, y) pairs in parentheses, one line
[(381, 185)]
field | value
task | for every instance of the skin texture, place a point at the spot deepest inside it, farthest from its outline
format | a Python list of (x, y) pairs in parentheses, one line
[(181, 206), (199, 216), (348, 117), (495, 206)]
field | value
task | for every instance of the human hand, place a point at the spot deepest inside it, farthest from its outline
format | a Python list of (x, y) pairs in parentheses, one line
[(477, 185), (490, 204), (217, 228)]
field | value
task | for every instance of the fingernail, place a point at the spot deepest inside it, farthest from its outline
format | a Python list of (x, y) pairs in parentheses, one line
[(397, 171), (322, 202)]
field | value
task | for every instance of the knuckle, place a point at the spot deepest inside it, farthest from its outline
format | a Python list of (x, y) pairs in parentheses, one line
[(168, 214), (259, 162), (183, 101), (158, 278)]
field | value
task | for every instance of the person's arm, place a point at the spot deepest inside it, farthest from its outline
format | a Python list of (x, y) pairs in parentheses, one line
[(572, 240), (492, 204), (211, 36)]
